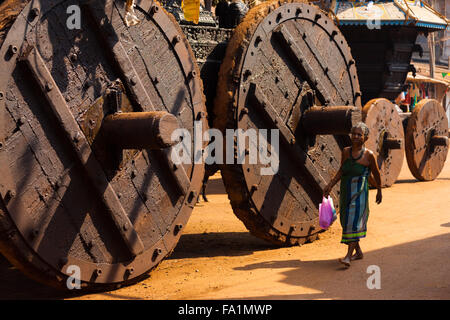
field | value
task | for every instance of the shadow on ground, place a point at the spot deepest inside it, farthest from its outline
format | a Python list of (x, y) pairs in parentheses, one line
[(416, 181), (408, 181), (414, 270), (215, 244), (215, 186), (15, 285)]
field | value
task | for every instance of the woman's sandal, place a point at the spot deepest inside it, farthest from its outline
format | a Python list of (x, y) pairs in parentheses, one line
[(356, 257), (345, 263)]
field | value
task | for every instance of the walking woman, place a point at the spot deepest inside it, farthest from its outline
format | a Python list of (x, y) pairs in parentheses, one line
[(357, 164)]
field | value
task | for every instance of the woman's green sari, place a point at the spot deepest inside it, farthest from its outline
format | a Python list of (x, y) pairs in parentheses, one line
[(354, 200)]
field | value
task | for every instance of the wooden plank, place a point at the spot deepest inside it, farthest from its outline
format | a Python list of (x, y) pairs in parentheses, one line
[(296, 152), (121, 60), (320, 79), (34, 62)]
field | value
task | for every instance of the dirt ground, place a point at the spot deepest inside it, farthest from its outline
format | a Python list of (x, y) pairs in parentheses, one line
[(408, 239)]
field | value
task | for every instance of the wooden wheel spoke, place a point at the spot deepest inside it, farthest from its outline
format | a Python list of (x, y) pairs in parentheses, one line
[(322, 79), (120, 58), (294, 150), (78, 141)]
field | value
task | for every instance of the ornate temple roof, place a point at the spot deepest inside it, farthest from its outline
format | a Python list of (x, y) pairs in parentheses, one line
[(388, 12)]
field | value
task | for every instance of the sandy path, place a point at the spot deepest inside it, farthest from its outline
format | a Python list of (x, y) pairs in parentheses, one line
[(216, 258)]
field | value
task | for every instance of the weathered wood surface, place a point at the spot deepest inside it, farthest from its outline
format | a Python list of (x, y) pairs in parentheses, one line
[(70, 198), (282, 60), (9, 10)]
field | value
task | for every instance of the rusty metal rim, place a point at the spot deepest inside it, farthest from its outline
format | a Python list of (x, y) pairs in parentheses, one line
[(140, 264)]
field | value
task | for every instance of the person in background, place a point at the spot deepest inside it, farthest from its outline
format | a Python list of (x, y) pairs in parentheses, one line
[(237, 12), (222, 13)]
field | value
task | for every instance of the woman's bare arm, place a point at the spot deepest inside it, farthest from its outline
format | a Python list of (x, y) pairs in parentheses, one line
[(377, 177)]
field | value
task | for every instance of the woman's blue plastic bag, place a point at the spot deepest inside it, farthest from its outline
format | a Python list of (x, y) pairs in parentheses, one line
[(327, 213)]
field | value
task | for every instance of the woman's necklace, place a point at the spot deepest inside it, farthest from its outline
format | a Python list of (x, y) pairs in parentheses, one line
[(359, 157)]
